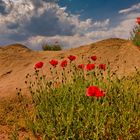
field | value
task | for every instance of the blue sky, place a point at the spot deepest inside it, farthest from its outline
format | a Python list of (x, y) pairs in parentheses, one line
[(97, 9), (70, 22)]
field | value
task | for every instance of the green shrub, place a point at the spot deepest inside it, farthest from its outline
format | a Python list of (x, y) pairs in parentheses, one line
[(51, 47), (135, 35)]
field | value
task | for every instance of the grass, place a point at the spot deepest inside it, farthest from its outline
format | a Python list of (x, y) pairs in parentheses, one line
[(59, 108)]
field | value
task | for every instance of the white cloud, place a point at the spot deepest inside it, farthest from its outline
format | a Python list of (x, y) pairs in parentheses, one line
[(65, 41), (34, 22), (128, 21), (132, 8), (102, 24)]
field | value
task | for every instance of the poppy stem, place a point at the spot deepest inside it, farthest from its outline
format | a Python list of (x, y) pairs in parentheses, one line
[(97, 119), (43, 78)]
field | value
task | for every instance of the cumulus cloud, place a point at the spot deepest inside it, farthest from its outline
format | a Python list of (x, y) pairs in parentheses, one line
[(24, 20), (64, 41), (103, 24), (2, 5), (124, 25), (122, 30), (41, 18), (34, 22)]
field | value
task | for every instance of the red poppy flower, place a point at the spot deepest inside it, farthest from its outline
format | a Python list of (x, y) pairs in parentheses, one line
[(81, 66), (64, 63), (102, 66), (53, 62), (138, 20), (90, 66), (94, 57), (94, 91), (138, 33), (39, 65), (39, 137), (99, 94), (71, 57)]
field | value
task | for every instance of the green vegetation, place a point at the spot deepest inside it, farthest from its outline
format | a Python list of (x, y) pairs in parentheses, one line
[(62, 110), (135, 34), (51, 47)]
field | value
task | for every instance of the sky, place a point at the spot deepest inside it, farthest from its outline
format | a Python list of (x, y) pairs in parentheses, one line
[(72, 23)]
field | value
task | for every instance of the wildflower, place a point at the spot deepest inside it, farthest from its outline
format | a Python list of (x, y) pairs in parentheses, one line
[(94, 91), (71, 57), (94, 57), (138, 20), (102, 66), (99, 94), (53, 62), (39, 65), (90, 66), (64, 63), (81, 66), (39, 137), (138, 33)]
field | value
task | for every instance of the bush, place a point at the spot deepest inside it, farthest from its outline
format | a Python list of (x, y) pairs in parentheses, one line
[(135, 34), (51, 47)]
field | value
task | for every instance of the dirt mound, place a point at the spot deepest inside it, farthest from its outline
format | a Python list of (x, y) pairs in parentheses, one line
[(17, 60), (122, 55), (15, 48)]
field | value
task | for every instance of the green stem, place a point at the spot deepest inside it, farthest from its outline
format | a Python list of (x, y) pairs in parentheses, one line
[(97, 119)]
